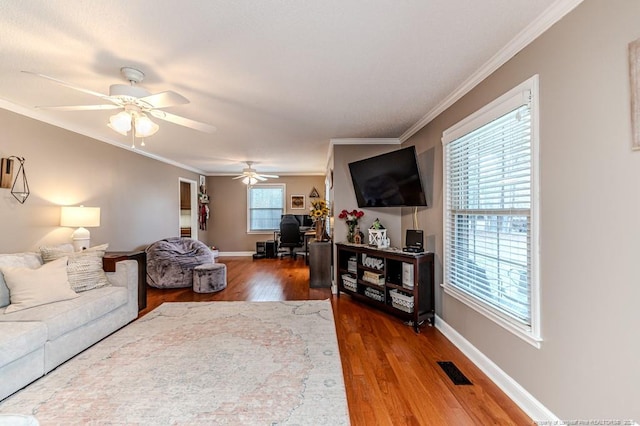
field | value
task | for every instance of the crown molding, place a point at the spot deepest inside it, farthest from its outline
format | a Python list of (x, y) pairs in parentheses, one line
[(550, 16), (365, 141), (358, 141)]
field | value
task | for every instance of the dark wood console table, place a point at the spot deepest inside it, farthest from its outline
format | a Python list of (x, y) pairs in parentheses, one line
[(391, 280), (109, 265)]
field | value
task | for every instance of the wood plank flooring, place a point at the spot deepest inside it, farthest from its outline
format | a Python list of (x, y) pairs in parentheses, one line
[(391, 374)]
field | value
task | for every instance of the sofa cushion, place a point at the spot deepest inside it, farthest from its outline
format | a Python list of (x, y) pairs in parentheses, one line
[(62, 317), (33, 287), (18, 339), (84, 268), (27, 260)]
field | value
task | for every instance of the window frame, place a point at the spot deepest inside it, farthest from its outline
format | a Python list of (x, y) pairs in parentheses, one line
[(525, 93), (249, 209)]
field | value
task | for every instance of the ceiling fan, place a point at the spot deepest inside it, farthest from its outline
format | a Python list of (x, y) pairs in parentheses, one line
[(135, 103), (250, 176)]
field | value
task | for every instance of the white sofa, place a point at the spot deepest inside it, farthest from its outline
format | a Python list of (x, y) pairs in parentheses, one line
[(36, 340)]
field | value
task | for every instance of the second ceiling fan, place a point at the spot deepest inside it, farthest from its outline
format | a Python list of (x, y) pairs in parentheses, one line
[(250, 176)]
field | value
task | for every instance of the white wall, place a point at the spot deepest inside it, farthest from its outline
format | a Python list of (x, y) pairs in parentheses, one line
[(588, 366)]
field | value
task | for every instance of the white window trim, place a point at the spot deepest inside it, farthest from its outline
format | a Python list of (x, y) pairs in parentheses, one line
[(284, 206), (500, 106)]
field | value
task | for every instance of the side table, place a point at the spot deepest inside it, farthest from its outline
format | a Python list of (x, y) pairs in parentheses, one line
[(109, 265), (320, 264)]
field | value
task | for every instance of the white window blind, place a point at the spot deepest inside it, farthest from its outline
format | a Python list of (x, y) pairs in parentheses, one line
[(489, 211), (265, 207)]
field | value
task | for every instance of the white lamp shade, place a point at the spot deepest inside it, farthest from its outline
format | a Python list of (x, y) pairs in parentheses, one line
[(121, 122), (145, 127), (80, 216)]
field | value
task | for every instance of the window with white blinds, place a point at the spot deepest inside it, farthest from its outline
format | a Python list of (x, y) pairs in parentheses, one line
[(265, 206), (490, 208)]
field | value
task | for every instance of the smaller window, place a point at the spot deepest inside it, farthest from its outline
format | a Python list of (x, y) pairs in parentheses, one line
[(265, 206)]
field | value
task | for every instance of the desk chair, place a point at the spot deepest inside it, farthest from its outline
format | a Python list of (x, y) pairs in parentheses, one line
[(290, 234)]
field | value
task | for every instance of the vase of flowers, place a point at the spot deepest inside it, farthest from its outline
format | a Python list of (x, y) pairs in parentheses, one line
[(351, 219), (319, 212)]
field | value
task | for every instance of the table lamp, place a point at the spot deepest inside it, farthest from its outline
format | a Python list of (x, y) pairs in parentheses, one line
[(80, 217)]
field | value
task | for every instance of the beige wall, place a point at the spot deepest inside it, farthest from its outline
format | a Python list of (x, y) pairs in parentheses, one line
[(227, 227), (138, 196), (587, 367), (345, 197)]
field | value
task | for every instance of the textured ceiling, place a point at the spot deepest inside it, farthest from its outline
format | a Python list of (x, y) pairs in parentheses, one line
[(278, 79)]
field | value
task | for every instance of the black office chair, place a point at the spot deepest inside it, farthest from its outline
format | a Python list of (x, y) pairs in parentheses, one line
[(290, 234)]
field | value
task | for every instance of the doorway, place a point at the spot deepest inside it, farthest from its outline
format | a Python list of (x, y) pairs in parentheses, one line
[(188, 213)]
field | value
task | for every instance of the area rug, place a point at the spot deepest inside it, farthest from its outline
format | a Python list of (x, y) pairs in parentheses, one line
[(202, 363)]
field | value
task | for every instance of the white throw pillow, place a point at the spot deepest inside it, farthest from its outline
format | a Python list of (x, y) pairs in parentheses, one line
[(34, 287), (30, 260), (84, 268)]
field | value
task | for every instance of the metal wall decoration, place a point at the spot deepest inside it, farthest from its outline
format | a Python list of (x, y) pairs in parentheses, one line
[(20, 187)]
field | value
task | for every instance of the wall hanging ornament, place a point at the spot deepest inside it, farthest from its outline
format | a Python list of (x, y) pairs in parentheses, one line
[(20, 187)]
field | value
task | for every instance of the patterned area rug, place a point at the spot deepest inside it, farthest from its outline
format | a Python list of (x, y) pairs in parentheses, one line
[(249, 363)]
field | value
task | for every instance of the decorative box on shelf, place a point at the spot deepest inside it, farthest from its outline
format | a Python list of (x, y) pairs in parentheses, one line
[(374, 294), (349, 282), (352, 265), (401, 301), (373, 278), (407, 275)]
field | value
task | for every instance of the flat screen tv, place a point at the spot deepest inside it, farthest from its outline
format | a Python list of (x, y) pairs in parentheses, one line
[(388, 180)]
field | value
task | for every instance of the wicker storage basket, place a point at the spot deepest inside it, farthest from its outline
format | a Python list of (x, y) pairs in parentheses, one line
[(401, 301), (374, 294), (349, 282)]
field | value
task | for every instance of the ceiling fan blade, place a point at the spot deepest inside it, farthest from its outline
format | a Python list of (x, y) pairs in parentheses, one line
[(269, 176), (69, 85), (182, 121), (165, 99), (260, 177), (239, 177), (79, 107)]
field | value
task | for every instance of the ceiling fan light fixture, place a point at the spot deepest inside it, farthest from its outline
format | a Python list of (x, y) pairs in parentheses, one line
[(120, 122), (249, 180), (145, 127)]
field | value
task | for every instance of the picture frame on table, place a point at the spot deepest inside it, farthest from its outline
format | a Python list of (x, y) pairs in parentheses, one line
[(297, 202)]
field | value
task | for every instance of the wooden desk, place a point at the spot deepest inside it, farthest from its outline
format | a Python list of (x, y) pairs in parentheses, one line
[(109, 265)]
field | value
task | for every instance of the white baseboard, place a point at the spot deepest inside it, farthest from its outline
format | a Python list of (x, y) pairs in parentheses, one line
[(517, 393), (237, 253)]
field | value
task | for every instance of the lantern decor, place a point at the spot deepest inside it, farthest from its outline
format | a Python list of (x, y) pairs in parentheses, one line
[(378, 235)]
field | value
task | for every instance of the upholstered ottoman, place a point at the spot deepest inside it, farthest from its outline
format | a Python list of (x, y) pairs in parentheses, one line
[(209, 278)]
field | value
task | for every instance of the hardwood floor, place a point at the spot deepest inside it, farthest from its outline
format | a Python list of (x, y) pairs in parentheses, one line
[(391, 374)]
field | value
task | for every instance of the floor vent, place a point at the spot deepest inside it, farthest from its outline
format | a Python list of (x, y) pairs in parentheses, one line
[(454, 374)]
